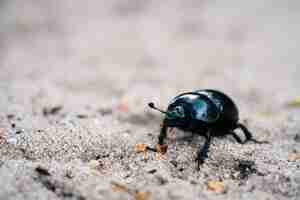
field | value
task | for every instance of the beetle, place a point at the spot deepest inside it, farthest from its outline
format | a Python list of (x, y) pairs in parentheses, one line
[(209, 113)]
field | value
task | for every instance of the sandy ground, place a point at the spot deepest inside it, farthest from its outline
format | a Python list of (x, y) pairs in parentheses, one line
[(76, 77)]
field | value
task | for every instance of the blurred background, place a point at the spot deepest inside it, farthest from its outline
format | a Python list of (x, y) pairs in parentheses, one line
[(106, 53), (76, 77)]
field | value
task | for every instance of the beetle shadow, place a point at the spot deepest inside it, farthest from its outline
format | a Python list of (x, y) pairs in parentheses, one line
[(191, 138), (196, 139)]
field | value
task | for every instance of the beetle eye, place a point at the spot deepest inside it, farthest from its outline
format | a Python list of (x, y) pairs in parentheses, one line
[(179, 111)]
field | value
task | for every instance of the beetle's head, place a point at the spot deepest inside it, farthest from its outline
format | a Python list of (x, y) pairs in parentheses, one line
[(175, 115)]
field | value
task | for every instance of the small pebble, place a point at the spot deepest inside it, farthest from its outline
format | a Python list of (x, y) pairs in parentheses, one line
[(42, 171), (93, 164), (10, 116), (152, 171), (297, 138), (12, 140)]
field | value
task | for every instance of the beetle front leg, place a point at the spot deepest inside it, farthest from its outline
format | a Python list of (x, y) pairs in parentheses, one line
[(160, 147), (163, 133)]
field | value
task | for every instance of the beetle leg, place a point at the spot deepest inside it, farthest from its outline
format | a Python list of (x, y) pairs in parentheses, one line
[(248, 135), (202, 153), (237, 138), (163, 134), (160, 148)]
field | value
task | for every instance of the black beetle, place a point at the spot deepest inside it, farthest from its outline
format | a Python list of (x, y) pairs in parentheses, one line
[(208, 113)]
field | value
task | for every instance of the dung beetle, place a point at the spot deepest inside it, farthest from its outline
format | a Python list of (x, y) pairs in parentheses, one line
[(208, 113)]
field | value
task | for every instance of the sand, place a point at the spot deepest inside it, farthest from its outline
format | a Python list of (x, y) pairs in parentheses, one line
[(76, 78)]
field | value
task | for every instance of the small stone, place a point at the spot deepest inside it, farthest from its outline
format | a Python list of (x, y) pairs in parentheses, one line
[(174, 163), (152, 171), (52, 111), (93, 164), (42, 171), (10, 116), (69, 174), (226, 175), (297, 138), (12, 140)]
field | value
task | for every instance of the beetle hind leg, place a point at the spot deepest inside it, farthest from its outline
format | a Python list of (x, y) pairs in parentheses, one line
[(248, 135), (237, 138)]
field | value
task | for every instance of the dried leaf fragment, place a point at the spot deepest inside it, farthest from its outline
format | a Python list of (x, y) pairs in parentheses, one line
[(117, 187), (138, 195), (162, 148), (146, 157), (141, 147), (216, 186), (142, 195)]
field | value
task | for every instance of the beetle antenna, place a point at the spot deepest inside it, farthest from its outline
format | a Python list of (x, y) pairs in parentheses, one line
[(151, 105)]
